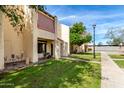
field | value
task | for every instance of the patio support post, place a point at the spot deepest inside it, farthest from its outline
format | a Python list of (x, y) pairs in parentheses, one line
[(1, 43), (56, 50), (35, 38)]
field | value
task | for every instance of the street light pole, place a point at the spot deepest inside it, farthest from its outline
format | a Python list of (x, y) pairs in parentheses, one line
[(94, 26)]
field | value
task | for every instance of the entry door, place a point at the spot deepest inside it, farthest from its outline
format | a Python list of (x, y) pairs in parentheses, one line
[(61, 49), (51, 49)]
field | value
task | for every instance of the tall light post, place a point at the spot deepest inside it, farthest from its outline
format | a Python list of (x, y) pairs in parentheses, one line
[(94, 26)]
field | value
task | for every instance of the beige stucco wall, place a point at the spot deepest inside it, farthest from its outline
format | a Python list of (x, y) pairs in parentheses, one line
[(13, 40), (1, 43), (27, 34), (78, 48), (28, 44), (63, 35), (56, 45), (17, 42), (49, 46), (57, 49), (59, 30), (45, 34), (34, 37)]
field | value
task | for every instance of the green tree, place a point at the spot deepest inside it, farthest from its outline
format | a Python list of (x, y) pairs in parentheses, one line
[(78, 34), (16, 15)]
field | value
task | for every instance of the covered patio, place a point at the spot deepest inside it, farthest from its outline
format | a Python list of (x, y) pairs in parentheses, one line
[(45, 48)]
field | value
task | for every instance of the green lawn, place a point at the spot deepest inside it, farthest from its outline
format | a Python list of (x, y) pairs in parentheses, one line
[(117, 56), (120, 63), (54, 74), (87, 56)]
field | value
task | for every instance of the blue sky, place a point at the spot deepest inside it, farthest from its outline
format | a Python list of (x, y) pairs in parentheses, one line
[(103, 16)]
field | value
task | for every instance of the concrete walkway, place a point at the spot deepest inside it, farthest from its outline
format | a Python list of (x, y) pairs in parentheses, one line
[(80, 60), (112, 75)]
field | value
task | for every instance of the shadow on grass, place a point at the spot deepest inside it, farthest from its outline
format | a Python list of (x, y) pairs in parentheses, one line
[(54, 74), (87, 56), (117, 56), (85, 59)]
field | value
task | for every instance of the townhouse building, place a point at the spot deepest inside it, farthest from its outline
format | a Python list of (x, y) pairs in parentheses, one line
[(43, 35)]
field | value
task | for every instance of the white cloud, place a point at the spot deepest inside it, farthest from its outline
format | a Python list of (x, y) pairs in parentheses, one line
[(68, 17), (56, 10), (103, 28), (102, 16), (92, 17), (101, 20)]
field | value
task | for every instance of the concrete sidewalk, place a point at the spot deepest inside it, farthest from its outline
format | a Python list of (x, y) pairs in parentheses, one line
[(112, 75), (80, 60)]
